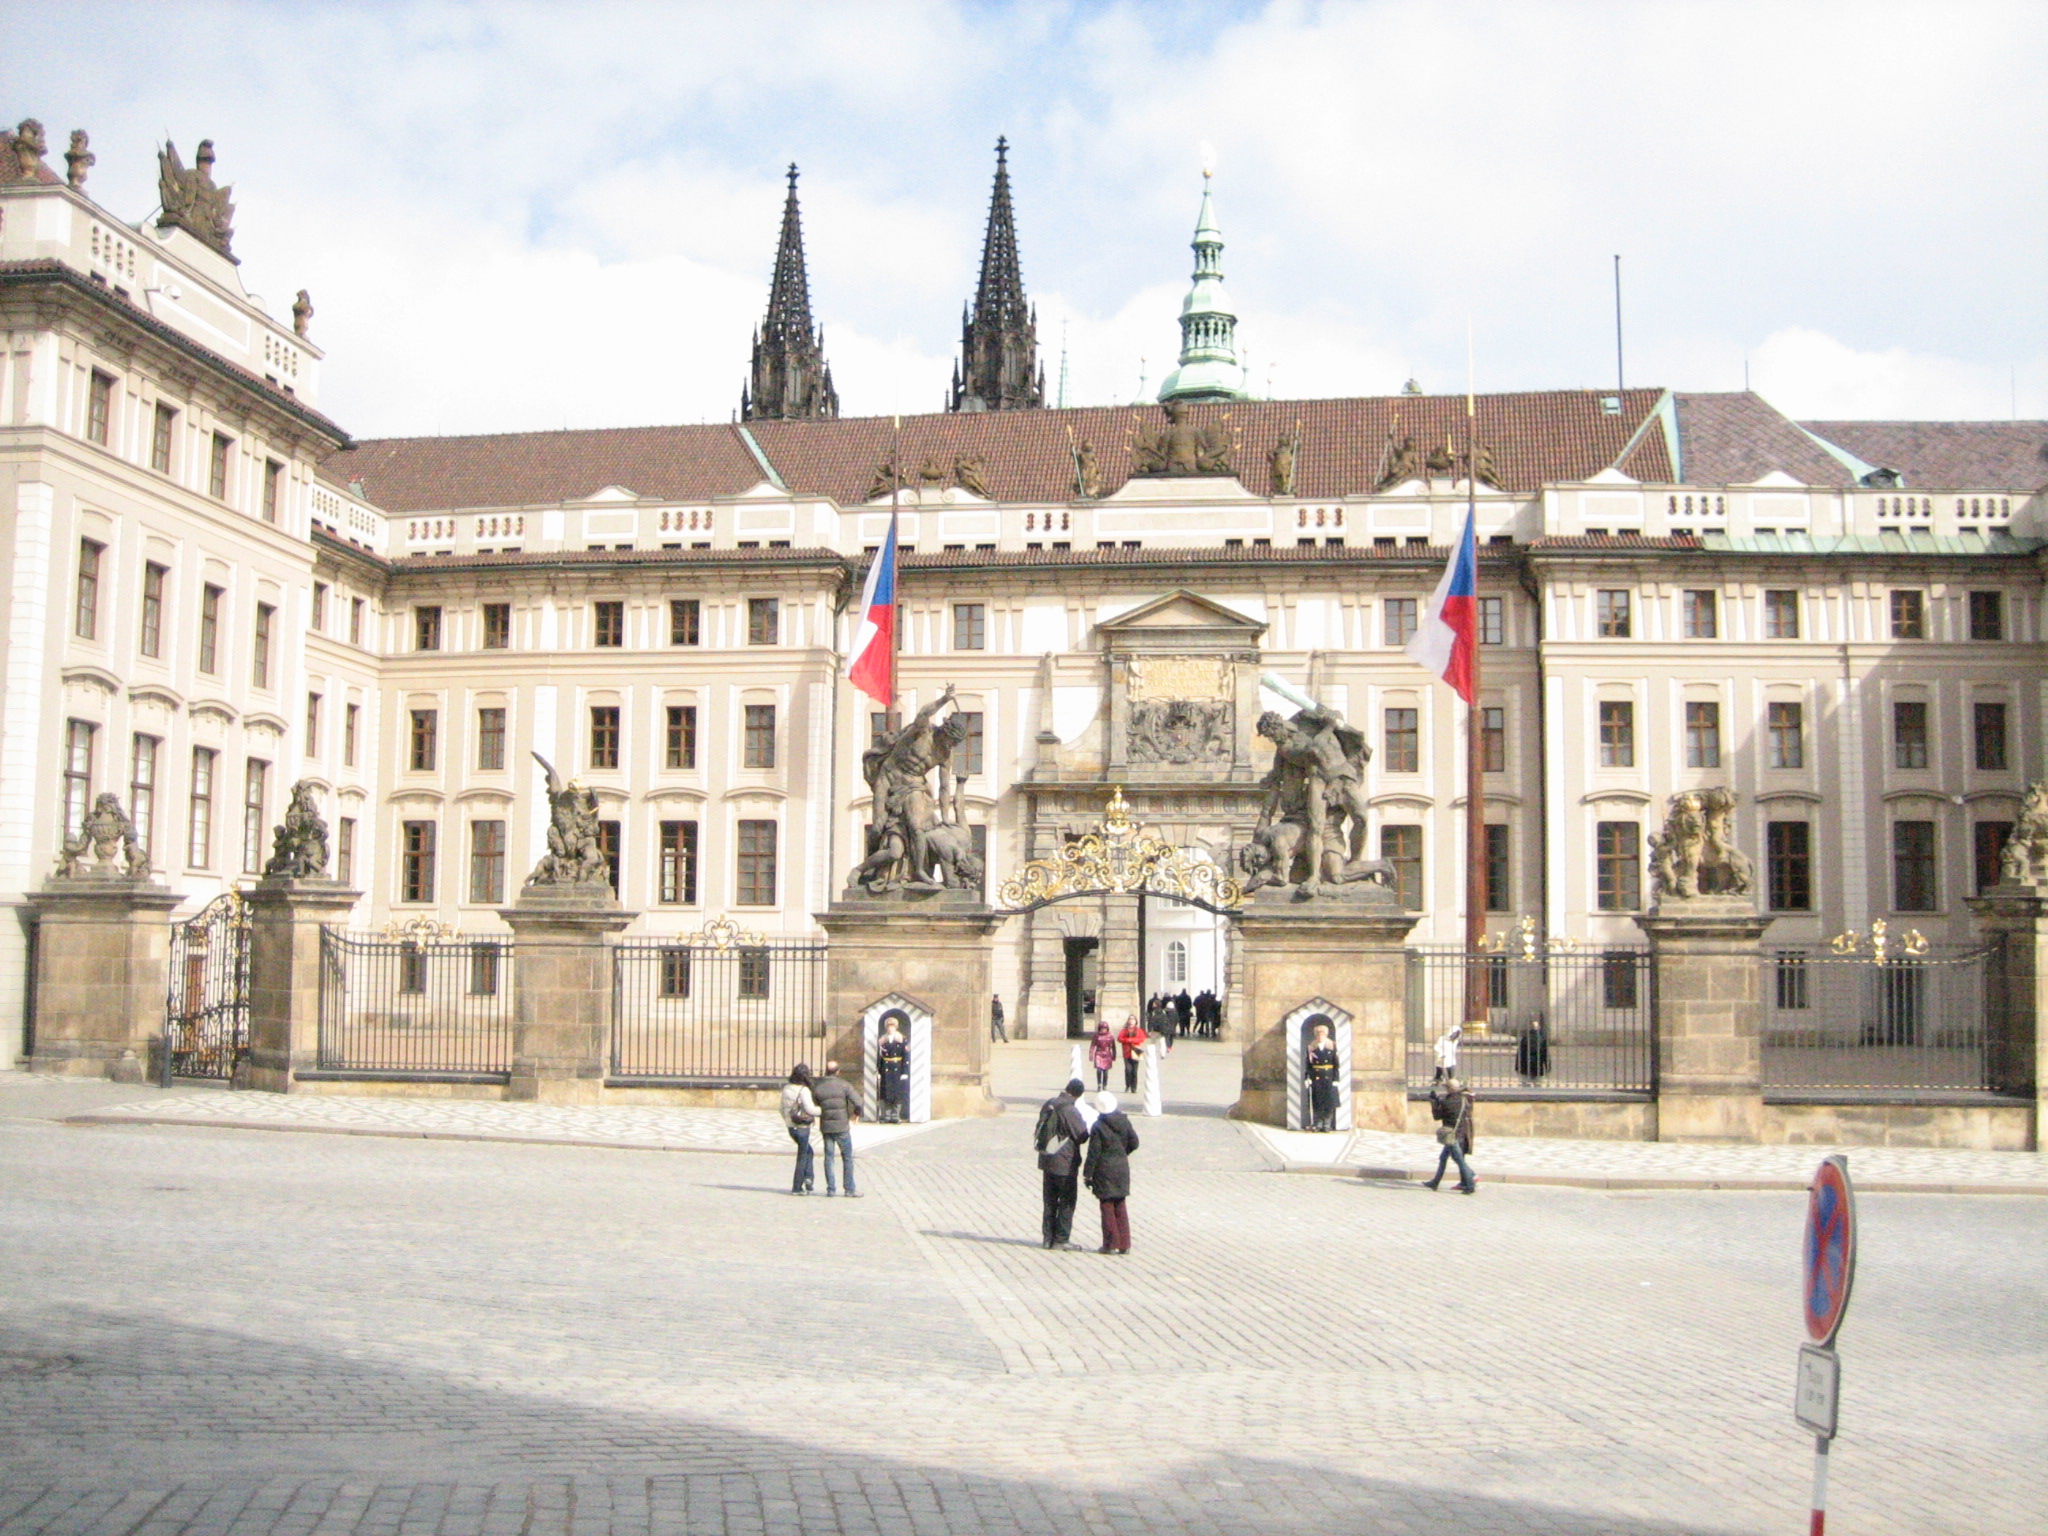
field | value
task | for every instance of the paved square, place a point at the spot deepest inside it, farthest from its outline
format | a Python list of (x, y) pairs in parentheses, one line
[(224, 1333)]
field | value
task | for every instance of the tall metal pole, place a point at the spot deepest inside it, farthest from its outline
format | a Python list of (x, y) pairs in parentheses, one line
[(1620, 374), (892, 717), (1143, 996), (1476, 991)]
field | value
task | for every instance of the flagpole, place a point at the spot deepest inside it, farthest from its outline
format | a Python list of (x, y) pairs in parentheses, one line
[(1476, 990), (892, 717)]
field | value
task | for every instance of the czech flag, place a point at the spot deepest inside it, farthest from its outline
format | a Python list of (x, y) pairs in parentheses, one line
[(874, 644), (1447, 641)]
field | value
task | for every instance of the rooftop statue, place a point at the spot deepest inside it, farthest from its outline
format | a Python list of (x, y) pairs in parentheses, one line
[(299, 844), (302, 313), (79, 158), (1087, 473), (192, 202), (1282, 459), (918, 841), (575, 858), (1178, 447), (30, 145), (106, 845), (1403, 464), (1312, 827)]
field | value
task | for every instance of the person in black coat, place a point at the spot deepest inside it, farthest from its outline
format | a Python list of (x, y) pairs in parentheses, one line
[(1108, 1171), (1319, 1065), (1183, 1009), (1057, 1140), (892, 1065), (1450, 1104), (1532, 1051)]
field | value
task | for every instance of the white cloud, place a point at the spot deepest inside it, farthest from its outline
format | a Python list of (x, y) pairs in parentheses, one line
[(1812, 376)]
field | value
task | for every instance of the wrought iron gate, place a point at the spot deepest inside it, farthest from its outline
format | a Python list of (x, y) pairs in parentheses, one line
[(206, 1016), (717, 1009)]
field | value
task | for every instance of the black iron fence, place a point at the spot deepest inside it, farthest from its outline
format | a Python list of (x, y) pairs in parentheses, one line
[(206, 1015), (1559, 1022), (415, 1007), (688, 1012), (1886, 1024)]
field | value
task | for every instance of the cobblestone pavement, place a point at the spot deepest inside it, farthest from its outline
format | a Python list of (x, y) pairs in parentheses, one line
[(214, 1334)]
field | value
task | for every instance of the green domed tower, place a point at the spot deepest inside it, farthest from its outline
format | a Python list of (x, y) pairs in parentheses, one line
[(1209, 369)]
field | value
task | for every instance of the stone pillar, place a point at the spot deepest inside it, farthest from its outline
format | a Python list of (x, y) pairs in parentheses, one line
[(1349, 949), (103, 944), (562, 992), (935, 948), (286, 919), (2013, 920), (1707, 953)]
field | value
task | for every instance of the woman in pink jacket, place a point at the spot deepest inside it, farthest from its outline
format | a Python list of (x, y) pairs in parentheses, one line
[(1102, 1053)]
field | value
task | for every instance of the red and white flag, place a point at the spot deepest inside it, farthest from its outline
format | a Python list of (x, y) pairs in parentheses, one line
[(1447, 640), (873, 670)]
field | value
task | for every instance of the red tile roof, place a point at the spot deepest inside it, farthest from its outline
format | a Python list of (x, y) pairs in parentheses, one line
[(1949, 455), (1737, 439), (1537, 438)]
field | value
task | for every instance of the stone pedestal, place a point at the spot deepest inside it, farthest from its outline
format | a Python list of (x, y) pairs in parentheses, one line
[(286, 918), (1348, 950), (2014, 921), (103, 947), (1707, 953), (562, 992), (934, 948)]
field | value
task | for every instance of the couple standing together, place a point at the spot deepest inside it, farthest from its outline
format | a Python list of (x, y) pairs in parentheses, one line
[(1063, 1130)]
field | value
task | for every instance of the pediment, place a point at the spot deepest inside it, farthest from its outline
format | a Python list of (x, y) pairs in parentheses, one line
[(1184, 610), (1612, 476), (612, 493), (1778, 477)]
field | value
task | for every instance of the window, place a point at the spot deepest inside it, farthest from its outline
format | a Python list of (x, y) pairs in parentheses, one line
[(1788, 865), (1493, 738), (426, 628), (685, 621), (1913, 869), (1988, 735), (970, 627), (412, 969), (483, 968), (217, 467), (967, 757), (497, 626), (78, 738), (1909, 734), (1785, 732), (682, 736), (1618, 866), (610, 628), (1493, 621), (259, 659), (416, 861), (1500, 896), (160, 439), (1619, 973), (142, 753), (1987, 615), (255, 781), (199, 824), (151, 642), (1400, 620), (345, 850), (1402, 848), (878, 728), (758, 748), (319, 605), (273, 487), (678, 863), (85, 622), (609, 843), (487, 861), (99, 407), (1611, 611), (764, 621), (351, 727), (1909, 616), (1617, 734), (1403, 741), (1702, 735), (1702, 616), (490, 738), (355, 621), (604, 735), (1177, 963), (423, 750), (753, 980), (756, 864), (1794, 995), (312, 725), (1987, 844), (675, 973)]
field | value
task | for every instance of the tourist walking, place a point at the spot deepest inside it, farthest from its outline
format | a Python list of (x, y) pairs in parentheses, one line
[(799, 1114), (1451, 1106), (1057, 1140), (1447, 1052), (1108, 1171), (1159, 1019), (892, 1066), (838, 1108), (1102, 1053), (1132, 1038), (995, 1019), (1319, 1065)]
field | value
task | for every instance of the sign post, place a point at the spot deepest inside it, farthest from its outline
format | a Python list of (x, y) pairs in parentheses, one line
[(1829, 1269)]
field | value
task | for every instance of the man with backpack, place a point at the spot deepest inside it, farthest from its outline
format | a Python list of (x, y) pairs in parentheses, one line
[(1450, 1104), (838, 1108), (1057, 1140)]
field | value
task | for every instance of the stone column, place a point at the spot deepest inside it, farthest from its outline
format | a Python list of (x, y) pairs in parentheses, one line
[(1348, 949), (2013, 919), (562, 992), (102, 975), (1707, 953), (934, 947), (286, 919)]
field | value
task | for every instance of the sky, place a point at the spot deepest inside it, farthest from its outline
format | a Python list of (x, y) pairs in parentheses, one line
[(515, 216)]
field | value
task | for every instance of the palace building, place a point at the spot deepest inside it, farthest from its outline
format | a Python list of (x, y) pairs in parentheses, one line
[(213, 593)]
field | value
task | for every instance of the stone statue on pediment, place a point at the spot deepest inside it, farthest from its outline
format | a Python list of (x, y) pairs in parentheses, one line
[(191, 199), (1178, 447), (1280, 461), (1695, 853), (302, 313), (79, 158), (575, 856), (29, 145), (967, 474), (889, 477), (107, 846), (1087, 473), (1403, 464), (299, 843), (1487, 470), (1441, 462), (1311, 831), (918, 840), (2024, 858)]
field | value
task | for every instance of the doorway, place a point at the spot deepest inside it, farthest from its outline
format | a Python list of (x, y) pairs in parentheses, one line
[(1084, 969)]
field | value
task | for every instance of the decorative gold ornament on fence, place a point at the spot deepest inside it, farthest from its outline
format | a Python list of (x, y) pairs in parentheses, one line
[(1528, 937), (421, 930), (1881, 942), (722, 932), (1118, 858)]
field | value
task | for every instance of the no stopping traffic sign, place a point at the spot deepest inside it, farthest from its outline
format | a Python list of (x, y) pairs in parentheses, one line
[(1830, 1250)]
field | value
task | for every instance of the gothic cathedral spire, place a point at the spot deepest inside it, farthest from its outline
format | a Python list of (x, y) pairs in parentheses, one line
[(790, 380), (999, 368)]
